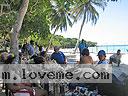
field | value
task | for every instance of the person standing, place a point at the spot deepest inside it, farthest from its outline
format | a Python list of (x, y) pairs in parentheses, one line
[(116, 58), (81, 46)]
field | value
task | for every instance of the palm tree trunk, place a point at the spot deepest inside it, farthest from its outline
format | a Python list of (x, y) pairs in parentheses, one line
[(80, 31), (14, 34), (50, 41)]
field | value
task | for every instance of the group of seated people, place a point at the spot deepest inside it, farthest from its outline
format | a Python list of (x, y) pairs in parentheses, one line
[(24, 89), (30, 52), (60, 58), (20, 89), (87, 59)]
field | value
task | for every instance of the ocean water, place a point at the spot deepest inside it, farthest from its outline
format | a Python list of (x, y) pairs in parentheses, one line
[(110, 48)]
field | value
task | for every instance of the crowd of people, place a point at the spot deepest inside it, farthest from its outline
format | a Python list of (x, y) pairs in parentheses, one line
[(33, 51), (36, 52)]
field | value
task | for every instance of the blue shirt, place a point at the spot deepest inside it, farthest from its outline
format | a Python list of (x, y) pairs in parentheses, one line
[(103, 62), (82, 46), (59, 57), (30, 49)]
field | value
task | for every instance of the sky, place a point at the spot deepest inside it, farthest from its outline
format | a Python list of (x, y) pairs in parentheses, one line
[(110, 29)]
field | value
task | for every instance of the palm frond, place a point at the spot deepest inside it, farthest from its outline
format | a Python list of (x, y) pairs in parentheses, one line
[(94, 14), (69, 21), (99, 3)]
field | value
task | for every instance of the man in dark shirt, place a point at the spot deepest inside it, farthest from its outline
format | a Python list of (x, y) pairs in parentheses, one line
[(58, 56)]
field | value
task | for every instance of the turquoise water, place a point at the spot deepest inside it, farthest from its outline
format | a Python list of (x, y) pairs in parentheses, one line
[(110, 48)]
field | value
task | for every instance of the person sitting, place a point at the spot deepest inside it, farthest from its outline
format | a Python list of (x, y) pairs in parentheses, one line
[(30, 48), (39, 60), (24, 47), (6, 57), (102, 57), (41, 51), (85, 58), (116, 57), (10, 58), (3, 56), (58, 56)]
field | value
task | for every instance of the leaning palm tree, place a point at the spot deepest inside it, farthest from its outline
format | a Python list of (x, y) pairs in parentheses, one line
[(87, 10), (59, 17)]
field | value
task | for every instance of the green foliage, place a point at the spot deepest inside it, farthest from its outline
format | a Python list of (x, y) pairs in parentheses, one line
[(88, 8), (43, 14), (35, 25), (64, 42), (35, 21), (58, 14), (14, 4), (90, 43), (8, 17), (69, 42), (6, 22)]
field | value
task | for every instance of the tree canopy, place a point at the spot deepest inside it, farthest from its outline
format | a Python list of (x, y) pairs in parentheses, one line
[(45, 14)]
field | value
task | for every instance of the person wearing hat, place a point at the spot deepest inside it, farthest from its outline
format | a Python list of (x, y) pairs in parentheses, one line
[(102, 57), (58, 56), (116, 58)]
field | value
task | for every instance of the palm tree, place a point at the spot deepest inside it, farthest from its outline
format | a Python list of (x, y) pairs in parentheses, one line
[(87, 10), (59, 17)]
